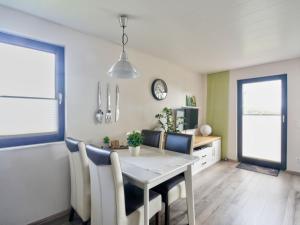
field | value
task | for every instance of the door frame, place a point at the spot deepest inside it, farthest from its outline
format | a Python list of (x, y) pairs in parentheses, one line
[(282, 164)]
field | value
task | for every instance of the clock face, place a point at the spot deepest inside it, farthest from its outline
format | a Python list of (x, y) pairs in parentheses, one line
[(159, 89)]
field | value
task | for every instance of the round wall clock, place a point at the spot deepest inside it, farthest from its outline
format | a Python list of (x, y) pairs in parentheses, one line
[(159, 89)]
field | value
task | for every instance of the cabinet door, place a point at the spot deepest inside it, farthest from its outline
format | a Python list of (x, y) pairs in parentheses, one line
[(217, 149), (213, 154)]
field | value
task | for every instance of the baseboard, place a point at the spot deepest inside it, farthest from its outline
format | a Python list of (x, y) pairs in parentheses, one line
[(293, 172), (230, 160), (51, 218)]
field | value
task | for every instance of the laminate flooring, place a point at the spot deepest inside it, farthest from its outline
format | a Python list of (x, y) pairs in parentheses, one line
[(226, 195)]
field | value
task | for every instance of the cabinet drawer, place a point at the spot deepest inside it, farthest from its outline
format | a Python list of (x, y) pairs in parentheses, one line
[(205, 156), (204, 163), (205, 153), (208, 155)]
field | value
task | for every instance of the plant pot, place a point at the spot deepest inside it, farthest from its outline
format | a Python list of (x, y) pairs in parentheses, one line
[(105, 145), (134, 151)]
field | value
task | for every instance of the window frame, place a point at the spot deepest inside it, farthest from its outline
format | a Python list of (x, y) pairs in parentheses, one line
[(59, 52)]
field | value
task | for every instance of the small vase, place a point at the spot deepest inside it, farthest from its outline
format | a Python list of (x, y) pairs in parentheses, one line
[(134, 151)]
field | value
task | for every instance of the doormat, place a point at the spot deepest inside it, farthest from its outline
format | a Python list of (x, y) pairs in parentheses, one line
[(259, 169)]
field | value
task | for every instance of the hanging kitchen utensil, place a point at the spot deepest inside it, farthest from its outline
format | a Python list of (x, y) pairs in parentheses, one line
[(108, 114), (99, 112), (117, 103)]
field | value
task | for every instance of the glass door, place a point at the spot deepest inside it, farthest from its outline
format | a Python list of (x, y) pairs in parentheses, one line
[(262, 121)]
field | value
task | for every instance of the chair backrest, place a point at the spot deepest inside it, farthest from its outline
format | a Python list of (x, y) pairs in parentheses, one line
[(152, 138), (182, 143), (80, 178), (107, 191)]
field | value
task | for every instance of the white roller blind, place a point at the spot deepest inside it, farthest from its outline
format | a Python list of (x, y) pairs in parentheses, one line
[(26, 72), (27, 76), (27, 116)]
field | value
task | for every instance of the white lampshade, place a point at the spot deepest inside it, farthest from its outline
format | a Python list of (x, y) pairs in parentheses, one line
[(123, 69)]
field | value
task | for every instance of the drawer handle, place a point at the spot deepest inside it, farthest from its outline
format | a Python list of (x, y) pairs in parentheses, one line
[(204, 156), (203, 163)]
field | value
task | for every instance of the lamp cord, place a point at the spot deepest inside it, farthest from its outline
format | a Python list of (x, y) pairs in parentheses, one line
[(124, 38)]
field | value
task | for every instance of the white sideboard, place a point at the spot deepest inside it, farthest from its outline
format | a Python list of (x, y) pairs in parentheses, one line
[(208, 149)]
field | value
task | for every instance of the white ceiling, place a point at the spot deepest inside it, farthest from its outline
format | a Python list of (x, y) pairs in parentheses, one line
[(202, 35)]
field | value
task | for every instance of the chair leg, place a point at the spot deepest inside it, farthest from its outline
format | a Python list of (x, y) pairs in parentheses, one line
[(157, 218), (167, 213), (71, 216)]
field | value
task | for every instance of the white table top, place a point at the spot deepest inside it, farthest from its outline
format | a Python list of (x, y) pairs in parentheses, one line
[(152, 165)]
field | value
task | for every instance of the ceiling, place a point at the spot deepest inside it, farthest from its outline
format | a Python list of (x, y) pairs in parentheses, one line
[(201, 35)]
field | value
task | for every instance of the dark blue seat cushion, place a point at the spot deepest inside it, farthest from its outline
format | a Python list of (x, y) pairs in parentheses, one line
[(134, 197), (166, 186)]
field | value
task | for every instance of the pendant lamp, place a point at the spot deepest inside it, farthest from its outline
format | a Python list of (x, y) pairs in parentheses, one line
[(123, 68)]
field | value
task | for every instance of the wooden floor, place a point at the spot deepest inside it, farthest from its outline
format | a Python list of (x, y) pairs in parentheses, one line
[(225, 195)]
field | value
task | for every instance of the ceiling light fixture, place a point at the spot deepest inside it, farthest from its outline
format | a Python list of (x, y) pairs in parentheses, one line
[(123, 68)]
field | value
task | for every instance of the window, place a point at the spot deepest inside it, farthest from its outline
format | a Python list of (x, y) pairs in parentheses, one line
[(31, 91)]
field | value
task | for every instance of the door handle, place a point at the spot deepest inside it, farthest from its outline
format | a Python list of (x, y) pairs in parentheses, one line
[(283, 118), (60, 98)]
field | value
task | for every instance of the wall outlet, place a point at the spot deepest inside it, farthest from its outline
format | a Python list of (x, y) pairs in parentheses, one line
[(298, 159)]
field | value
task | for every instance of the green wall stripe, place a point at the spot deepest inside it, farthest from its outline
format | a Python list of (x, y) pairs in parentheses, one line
[(217, 106)]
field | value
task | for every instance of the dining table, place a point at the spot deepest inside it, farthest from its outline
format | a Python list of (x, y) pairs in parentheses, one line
[(153, 166)]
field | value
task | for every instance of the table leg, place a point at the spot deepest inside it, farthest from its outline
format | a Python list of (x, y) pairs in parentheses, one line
[(190, 195), (146, 205)]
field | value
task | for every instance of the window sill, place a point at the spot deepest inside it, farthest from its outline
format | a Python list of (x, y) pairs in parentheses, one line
[(31, 146)]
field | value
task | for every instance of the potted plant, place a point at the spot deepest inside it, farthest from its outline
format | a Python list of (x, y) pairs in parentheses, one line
[(134, 140), (166, 120), (106, 141)]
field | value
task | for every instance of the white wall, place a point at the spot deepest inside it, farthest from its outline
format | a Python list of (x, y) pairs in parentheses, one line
[(292, 69), (34, 181)]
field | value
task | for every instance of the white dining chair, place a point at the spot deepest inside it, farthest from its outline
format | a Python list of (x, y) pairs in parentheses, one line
[(80, 180), (113, 202), (175, 188)]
